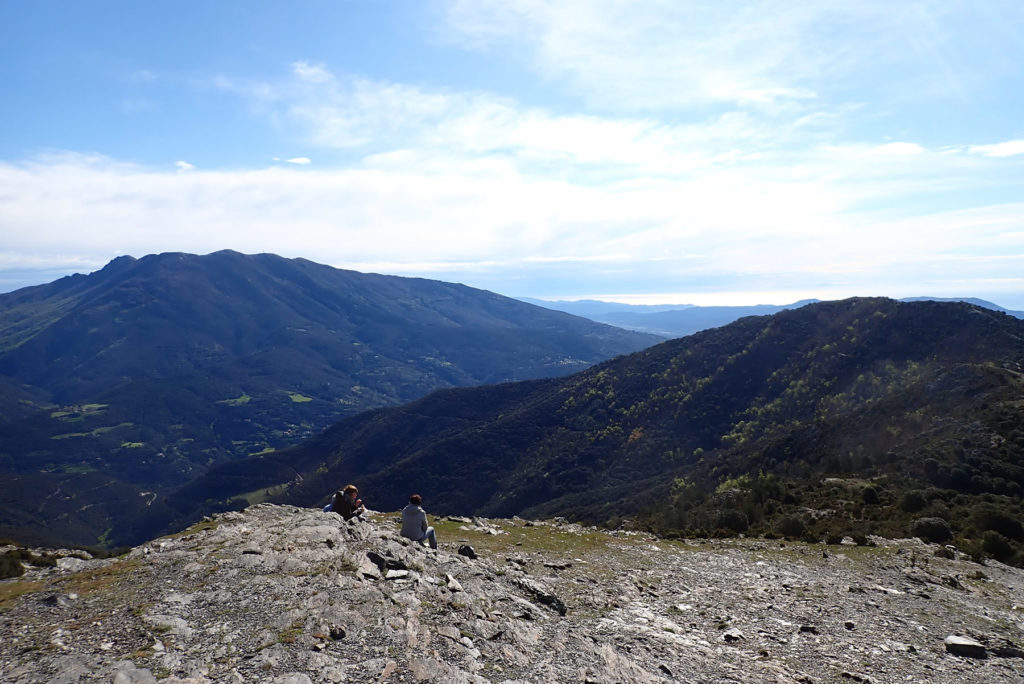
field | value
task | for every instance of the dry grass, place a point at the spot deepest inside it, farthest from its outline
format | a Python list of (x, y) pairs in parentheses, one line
[(10, 590)]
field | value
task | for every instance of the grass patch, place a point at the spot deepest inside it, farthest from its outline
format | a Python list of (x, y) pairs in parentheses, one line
[(299, 398), (101, 579), (94, 433), (132, 445), (550, 542), (68, 413), (201, 526), (237, 401), (78, 469), (12, 590), (258, 496)]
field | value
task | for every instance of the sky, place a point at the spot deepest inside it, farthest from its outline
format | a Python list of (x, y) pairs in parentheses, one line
[(664, 151)]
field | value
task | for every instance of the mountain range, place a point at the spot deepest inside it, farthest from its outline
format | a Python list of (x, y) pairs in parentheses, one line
[(120, 385), (158, 390), (861, 416), (679, 320)]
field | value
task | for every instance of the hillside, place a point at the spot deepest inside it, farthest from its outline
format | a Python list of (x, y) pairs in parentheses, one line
[(293, 596), (135, 379), (839, 418)]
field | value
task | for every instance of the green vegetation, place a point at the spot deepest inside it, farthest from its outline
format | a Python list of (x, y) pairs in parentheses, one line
[(241, 400), (11, 590), (96, 432), (10, 566), (69, 413), (842, 419), (299, 398), (96, 580)]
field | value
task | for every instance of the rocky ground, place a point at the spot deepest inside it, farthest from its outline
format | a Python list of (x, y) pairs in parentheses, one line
[(288, 595)]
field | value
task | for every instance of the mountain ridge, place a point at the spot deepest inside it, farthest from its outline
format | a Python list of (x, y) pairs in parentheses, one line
[(141, 375), (912, 408)]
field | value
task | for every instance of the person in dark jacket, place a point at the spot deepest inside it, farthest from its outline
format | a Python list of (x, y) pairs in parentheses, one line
[(347, 503)]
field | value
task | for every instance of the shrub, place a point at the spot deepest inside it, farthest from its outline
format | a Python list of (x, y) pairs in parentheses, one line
[(791, 526), (913, 501), (998, 546), (934, 530), (870, 495), (989, 517), (10, 566), (732, 519)]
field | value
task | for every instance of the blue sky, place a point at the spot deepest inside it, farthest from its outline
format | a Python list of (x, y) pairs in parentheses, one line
[(661, 151)]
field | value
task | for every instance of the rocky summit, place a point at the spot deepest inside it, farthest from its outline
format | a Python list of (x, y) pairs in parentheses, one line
[(288, 595)]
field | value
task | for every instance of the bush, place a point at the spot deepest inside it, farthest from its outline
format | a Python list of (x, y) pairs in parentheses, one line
[(791, 526), (913, 501), (10, 566), (733, 520), (989, 517), (998, 546), (870, 495), (935, 530)]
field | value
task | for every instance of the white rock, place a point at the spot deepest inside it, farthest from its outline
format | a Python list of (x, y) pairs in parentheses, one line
[(958, 645)]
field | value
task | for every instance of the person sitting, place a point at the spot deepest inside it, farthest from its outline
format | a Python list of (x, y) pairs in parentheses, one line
[(347, 503), (414, 522)]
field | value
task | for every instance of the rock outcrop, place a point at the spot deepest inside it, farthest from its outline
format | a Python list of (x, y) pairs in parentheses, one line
[(288, 596)]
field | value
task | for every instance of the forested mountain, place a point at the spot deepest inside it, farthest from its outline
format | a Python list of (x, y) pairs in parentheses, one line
[(121, 384), (838, 418)]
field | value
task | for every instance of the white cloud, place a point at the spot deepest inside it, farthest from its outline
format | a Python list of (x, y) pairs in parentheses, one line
[(394, 122), (686, 53), (1004, 149), (746, 225), (717, 143), (898, 149), (313, 73), (650, 55)]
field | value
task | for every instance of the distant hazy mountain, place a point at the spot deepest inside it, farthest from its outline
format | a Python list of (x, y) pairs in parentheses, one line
[(679, 320), (838, 418), (671, 320), (140, 376), (968, 300), (590, 308)]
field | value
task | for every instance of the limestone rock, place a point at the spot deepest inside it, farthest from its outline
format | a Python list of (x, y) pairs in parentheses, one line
[(963, 646), (313, 605)]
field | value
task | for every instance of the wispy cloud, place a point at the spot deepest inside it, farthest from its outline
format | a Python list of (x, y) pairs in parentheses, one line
[(688, 53), (184, 166), (1009, 148)]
